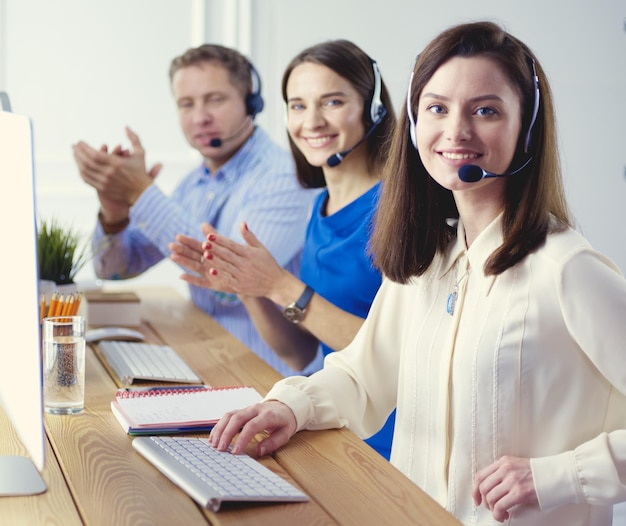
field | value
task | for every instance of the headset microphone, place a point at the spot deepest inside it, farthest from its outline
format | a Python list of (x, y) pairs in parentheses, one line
[(335, 159), (470, 173), (254, 105), (216, 142), (377, 112)]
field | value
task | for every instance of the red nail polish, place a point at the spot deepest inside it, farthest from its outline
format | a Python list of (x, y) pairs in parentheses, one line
[(211, 237)]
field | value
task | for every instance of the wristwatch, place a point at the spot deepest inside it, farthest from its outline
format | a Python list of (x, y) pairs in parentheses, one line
[(295, 311)]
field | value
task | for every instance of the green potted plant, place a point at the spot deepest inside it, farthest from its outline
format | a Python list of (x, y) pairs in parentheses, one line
[(60, 255)]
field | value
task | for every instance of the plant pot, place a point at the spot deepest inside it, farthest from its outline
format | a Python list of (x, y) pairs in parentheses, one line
[(47, 287), (66, 288)]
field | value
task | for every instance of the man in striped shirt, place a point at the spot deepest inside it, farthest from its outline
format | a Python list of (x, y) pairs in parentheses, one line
[(244, 176)]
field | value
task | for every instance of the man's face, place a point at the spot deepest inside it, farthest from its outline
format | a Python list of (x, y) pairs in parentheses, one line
[(211, 107)]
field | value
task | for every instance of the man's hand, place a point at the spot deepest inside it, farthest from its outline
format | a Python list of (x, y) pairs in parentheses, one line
[(119, 176)]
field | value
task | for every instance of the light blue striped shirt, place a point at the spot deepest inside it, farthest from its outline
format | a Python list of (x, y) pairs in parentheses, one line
[(257, 185)]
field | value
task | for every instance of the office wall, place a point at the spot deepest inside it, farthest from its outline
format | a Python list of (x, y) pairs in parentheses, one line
[(84, 69)]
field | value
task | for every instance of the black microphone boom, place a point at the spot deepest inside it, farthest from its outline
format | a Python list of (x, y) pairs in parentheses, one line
[(336, 158), (470, 173), (216, 142)]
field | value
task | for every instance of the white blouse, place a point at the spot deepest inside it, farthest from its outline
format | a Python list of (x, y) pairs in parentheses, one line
[(531, 363)]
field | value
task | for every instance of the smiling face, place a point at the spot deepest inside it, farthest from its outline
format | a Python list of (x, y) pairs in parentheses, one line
[(210, 106), (469, 113), (324, 114)]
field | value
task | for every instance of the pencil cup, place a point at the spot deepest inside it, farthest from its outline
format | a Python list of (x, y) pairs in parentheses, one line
[(63, 340)]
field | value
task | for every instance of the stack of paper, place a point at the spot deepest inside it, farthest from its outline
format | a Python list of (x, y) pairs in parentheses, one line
[(166, 410), (113, 308)]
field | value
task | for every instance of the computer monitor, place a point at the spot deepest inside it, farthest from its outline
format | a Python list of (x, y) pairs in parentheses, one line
[(21, 387)]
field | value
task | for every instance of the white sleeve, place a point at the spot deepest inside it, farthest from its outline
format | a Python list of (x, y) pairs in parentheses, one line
[(593, 301), (348, 391)]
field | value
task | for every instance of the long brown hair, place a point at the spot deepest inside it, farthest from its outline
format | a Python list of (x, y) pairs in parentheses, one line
[(353, 64), (412, 225)]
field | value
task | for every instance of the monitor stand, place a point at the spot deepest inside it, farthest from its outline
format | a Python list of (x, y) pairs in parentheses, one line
[(19, 476)]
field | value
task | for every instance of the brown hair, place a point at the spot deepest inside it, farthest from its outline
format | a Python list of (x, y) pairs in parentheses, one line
[(353, 64), (238, 66), (411, 221)]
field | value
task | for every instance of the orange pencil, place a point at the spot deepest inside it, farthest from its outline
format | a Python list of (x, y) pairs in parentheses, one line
[(59, 305), (53, 304), (68, 306), (42, 308), (77, 304)]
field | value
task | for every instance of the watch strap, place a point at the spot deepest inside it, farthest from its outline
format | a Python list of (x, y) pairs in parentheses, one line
[(305, 298)]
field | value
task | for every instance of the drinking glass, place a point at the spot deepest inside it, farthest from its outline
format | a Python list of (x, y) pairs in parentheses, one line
[(63, 340)]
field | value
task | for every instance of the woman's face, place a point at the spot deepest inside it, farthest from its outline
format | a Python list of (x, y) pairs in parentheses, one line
[(324, 113), (468, 113)]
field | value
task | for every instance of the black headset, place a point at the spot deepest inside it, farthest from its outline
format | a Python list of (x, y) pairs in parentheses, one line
[(254, 101)]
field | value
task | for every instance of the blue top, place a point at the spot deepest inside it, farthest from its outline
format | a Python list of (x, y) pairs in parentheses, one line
[(336, 263), (257, 185)]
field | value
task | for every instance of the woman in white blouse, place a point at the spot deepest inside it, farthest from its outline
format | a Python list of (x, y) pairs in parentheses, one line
[(498, 331)]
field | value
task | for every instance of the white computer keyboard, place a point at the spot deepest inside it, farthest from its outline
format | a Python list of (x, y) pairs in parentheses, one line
[(211, 477), (146, 361)]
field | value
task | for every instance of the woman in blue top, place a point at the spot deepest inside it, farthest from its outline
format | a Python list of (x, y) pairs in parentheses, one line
[(339, 121)]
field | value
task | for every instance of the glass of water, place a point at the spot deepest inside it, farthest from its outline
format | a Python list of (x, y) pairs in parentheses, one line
[(63, 339)]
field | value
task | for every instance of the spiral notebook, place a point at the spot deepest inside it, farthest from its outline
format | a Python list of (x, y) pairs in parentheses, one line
[(180, 409)]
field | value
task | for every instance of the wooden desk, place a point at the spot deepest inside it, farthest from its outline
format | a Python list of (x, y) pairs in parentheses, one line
[(95, 477)]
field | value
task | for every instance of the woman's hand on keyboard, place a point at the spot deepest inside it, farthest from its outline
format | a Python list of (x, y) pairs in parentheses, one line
[(272, 417)]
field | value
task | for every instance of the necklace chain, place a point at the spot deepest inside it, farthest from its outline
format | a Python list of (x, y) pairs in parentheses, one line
[(454, 294)]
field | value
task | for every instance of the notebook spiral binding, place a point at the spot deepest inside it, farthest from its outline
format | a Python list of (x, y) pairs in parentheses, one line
[(168, 391)]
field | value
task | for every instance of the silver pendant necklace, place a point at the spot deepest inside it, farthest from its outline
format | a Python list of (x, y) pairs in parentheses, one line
[(452, 297)]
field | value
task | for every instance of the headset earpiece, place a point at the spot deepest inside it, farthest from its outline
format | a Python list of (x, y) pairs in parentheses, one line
[(377, 108), (377, 112), (409, 113), (533, 118), (254, 101)]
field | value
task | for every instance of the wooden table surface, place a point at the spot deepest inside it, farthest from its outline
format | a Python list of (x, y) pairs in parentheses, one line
[(95, 477)]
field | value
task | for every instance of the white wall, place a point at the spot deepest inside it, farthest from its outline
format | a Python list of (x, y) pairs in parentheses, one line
[(84, 69)]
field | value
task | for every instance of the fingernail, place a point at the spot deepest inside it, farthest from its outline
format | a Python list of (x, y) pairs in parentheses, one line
[(207, 246), (213, 272), (211, 237)]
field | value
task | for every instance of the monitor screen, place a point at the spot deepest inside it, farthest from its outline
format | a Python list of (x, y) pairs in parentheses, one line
[(20, 353)]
